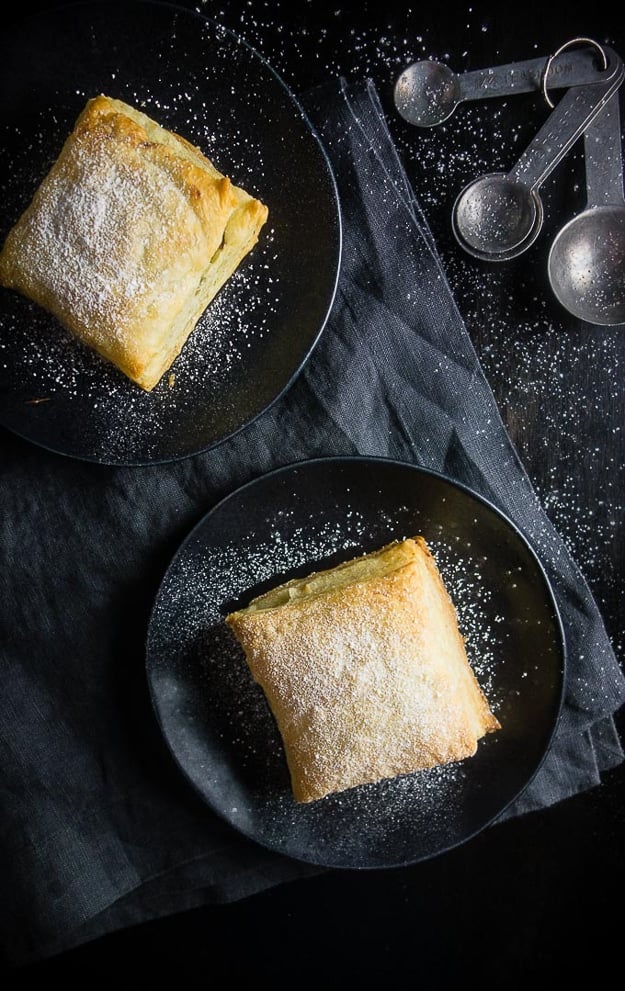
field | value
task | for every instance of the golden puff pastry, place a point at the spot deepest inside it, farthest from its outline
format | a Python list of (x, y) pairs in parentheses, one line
[(365, 671), (129, 237)]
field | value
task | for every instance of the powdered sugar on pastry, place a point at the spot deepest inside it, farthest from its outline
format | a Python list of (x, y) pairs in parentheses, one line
[(129, 237), (365, 671)]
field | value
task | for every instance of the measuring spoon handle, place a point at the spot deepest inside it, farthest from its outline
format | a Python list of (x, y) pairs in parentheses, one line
[(572, 115), (571, 69), (603, 153)]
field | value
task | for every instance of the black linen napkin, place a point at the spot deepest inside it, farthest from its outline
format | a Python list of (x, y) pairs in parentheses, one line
[(99, 831)]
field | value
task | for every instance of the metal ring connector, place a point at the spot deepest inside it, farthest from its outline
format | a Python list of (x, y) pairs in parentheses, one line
[(563, 48)]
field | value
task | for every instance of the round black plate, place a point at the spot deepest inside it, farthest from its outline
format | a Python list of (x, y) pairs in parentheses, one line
[(314, 514), (200, 80)]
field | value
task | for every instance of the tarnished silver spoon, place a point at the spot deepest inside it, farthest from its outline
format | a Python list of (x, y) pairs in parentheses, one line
[(498, 216), (586, 262), (427, 93)]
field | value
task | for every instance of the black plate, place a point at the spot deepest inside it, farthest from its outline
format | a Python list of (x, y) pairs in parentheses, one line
[(199, 79), (218, 725)]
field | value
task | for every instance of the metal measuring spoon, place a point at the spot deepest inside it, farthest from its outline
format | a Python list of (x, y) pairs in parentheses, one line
[(498, 216), (427, 93), (586, 263)]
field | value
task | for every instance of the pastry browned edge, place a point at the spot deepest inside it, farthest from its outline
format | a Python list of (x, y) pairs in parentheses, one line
[(365, 670), (129, 237)]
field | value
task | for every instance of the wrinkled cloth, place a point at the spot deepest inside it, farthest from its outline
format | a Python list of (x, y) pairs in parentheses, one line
[(99, 830)]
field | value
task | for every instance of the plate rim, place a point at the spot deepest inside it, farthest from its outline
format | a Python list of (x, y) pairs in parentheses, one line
[(342, 461), (240, 40)]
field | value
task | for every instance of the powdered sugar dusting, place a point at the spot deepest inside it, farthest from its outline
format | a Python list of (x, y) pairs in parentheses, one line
[(108, 207)]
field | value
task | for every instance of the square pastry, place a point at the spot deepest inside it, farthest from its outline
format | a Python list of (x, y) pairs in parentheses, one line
[(365, 671), (129, 238)]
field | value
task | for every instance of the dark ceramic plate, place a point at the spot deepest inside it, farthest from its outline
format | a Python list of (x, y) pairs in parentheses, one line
[(317, 513), (199, 79)]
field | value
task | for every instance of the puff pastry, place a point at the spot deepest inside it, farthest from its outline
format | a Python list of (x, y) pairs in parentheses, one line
[(365, 671), (129, 237)]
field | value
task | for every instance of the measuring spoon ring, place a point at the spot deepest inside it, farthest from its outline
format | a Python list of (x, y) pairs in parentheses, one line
[(498, 216), (586, 264), (427, 93)]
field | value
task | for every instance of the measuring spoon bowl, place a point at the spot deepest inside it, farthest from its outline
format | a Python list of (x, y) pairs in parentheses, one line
[(495, 217), (427, 93), (586, 264)]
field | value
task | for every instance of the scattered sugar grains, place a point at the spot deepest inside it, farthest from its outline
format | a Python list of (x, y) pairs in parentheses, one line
[(504, 306)]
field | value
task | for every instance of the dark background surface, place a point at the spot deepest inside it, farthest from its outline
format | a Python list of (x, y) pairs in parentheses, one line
[(533, 896)]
